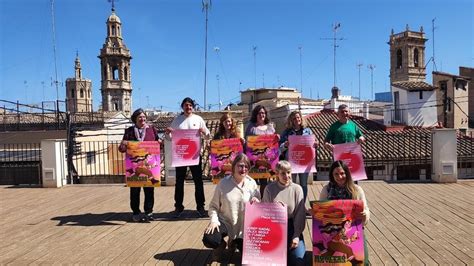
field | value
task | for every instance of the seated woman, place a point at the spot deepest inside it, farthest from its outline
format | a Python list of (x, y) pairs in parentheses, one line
[(341, 186), (226, 209), (291, 194)]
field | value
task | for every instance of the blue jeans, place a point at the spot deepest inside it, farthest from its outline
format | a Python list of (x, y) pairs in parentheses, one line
[(295, 256), (303, 183)]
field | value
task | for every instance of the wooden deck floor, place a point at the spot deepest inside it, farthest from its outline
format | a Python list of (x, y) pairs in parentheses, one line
[(411, 224)]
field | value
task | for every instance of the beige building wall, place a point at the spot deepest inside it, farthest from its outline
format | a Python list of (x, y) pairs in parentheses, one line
[(457, 104), (469, 72)]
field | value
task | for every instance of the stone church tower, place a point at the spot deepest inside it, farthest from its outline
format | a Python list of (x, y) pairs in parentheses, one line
[(78, 91), (407, 56), (115, 59)]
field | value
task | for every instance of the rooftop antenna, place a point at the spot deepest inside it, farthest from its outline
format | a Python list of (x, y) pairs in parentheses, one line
[(255, 64), (433, 32), (219, 93), (54, 53), (371, 67), (301, 69), (335, 27), (359, 65), (206, 4)]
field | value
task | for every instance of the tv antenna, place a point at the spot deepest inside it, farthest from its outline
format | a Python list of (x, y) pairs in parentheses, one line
[(335, 27)]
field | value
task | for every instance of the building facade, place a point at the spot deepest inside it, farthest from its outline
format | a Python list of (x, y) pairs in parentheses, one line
[(452, 99)]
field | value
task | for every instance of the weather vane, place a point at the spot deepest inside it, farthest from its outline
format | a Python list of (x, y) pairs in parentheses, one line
[(113, 4)]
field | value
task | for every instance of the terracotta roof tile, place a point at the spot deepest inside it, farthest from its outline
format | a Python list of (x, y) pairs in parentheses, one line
[(413, 85)]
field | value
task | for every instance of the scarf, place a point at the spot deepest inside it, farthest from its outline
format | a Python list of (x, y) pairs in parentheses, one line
[(140, 133), (336, 192)]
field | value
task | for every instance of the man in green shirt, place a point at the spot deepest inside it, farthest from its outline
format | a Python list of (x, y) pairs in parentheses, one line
[(343, 130)]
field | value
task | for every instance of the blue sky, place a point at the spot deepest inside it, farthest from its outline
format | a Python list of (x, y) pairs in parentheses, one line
[(166, 40)]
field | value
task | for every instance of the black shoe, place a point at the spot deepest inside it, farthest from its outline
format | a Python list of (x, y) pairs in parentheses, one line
[(143, 218), (202, 213), (149, 216), (177, 213)]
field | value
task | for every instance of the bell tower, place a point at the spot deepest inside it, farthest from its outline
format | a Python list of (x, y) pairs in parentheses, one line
[(78, 91), (407, 56), (116, 87)]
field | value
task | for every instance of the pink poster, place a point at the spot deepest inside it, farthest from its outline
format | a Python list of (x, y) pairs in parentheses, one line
[(186, 147), (301, 154), (223, 153), (338, 234), (142, 164), (351, 154), (263, 154), (265, 234)]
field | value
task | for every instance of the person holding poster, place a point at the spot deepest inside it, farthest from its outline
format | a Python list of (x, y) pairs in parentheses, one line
[(343, 130), (188, 120), (140, 131), (227, 207), (341, 186), (295, 125), (286, 192), (227, 130), (260, 125)]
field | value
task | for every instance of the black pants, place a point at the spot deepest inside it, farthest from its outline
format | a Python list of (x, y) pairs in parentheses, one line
[(215, 239), (135, 199), (196, 171)]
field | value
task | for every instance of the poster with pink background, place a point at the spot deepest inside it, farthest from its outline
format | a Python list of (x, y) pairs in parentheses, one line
[(301, 154), (265, 234), (142, 164), (351, 154), (338, 233), (185, 147)]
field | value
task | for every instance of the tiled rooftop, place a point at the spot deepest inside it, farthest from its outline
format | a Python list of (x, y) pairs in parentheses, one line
[(413, 85)]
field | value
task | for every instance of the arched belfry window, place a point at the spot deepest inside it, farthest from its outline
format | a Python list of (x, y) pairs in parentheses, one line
[(399, 58), (115, 106), (115, 73), (82, 93), (105, 73), (72, 93), (416, 57), (113, 30), (125, 73)]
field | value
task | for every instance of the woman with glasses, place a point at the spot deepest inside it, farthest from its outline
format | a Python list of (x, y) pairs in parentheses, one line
[(260, 125), (227, 208)]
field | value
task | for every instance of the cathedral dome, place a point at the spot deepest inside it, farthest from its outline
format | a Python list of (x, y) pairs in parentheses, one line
[(113, 18)]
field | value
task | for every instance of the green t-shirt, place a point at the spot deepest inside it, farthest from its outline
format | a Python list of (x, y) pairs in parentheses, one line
[(342, 133)]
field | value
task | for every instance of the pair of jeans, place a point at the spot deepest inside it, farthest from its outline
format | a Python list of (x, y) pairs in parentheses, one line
[(295, 256), (135, 199), (303, 178), (196, 171)]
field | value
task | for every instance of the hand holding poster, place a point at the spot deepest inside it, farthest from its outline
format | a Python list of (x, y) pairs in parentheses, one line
[(223, 153), (186, 147), (301, 154), (338, 234), (265, 236), (263, 152), (142, 164), (351, 154)]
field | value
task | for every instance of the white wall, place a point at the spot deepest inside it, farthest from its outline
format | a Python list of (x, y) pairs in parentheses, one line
[(421, 112)]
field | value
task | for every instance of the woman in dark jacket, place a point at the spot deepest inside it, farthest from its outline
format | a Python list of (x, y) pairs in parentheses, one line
[(141, 131)]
